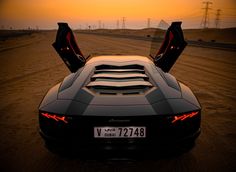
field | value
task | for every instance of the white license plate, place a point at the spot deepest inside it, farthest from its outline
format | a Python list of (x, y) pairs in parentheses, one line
[(119, 132)]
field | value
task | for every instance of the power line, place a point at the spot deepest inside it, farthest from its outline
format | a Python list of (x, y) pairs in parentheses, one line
[(205, 20), (123, 22), (117, 24), (217, 20), (148, 22), (99, 24)]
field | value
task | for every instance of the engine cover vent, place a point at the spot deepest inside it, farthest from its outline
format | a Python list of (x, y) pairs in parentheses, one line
[(126, 80)]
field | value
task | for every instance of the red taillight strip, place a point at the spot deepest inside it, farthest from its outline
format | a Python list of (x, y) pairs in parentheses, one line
[(55, 117), (184, 116)]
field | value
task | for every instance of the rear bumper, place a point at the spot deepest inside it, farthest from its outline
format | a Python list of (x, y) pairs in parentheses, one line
[(121, 144), (78, 133)]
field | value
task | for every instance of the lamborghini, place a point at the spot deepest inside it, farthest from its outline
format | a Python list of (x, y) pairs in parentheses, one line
[(120, 102)]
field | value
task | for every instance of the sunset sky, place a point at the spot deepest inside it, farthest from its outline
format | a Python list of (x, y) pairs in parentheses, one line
[(83, 13)]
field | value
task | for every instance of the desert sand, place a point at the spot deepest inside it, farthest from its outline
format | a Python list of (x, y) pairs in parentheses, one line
[(30, 66)]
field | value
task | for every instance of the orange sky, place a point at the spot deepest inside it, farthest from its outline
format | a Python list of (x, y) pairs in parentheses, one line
[(81, 13)]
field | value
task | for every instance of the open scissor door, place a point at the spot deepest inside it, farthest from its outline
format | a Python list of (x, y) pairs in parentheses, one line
[(171, 48), (67, 48)]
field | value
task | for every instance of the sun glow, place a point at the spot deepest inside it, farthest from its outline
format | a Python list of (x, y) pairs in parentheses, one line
[(46, 13)]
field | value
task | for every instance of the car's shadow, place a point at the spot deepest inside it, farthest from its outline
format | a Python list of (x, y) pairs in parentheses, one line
[(121, 155)]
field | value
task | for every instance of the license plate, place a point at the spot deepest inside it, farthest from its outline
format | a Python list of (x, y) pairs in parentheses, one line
[(119, 132)]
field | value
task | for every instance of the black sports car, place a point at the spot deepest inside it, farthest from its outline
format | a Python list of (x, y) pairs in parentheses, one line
[(117, 101)]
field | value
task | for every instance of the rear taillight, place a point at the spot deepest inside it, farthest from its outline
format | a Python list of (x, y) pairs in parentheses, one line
[(184, 116), (55, 117)]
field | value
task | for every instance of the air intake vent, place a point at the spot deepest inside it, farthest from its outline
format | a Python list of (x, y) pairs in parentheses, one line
[(126, 80), (100, 67)]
